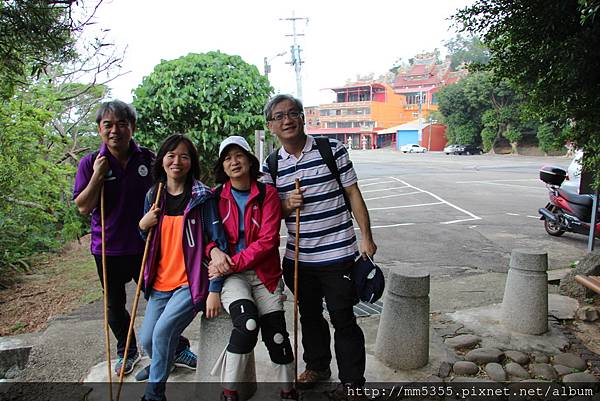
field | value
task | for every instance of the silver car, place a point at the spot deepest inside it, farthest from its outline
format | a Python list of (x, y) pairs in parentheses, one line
[(450, 148)]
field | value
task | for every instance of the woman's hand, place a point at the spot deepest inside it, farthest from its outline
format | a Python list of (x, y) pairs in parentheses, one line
[(213, 305), (220, 263), (150, 219)]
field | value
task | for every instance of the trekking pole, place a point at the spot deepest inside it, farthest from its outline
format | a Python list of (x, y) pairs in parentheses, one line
[(105, 285), (137, 295), (296, 251)]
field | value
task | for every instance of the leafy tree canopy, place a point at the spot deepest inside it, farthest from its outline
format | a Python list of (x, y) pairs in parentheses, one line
[(467, 51), (33, 34), (550, 49), (206, 96)]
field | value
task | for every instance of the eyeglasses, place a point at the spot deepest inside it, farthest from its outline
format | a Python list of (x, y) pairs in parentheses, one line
[(291, 114)]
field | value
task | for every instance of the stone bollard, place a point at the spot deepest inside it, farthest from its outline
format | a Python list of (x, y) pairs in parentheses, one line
[(214, 337), (403, 335), (525, 303)]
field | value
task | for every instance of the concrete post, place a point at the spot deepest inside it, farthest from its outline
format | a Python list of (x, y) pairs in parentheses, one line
[(214, 337), (403, 335), (525, 303)]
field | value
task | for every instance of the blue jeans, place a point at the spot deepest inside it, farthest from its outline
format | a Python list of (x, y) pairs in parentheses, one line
[(168, 313)]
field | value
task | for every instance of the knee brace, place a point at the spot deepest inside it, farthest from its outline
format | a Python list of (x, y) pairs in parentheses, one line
[(276, 337), (244, 316)]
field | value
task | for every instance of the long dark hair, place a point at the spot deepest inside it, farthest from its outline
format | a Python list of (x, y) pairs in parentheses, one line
[(158, 172), (221, 177)]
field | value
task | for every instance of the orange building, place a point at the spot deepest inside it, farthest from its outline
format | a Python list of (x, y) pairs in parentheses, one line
[(359, 112)]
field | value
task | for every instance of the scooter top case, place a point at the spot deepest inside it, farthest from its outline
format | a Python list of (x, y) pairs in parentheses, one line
[(552, 175)]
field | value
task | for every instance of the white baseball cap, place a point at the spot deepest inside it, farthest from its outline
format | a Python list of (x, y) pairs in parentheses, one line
[(234, 140)]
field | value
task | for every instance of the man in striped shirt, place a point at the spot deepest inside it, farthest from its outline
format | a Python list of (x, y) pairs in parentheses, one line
[(328, 245)]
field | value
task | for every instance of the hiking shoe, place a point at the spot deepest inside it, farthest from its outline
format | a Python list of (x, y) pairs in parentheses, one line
[(144, 374), (291, 395), (129, 365), (229, 397), (186, 359), (309, 378), (347, 392)]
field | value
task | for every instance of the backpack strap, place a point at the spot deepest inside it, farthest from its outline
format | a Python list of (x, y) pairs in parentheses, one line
[(272, 165), (325, 150), (262, 191)]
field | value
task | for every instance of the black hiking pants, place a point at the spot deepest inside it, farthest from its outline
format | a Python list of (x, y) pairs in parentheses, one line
[(334, 284)]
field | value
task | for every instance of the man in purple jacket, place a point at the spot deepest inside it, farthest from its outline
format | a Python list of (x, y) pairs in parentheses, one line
[(123, 168)]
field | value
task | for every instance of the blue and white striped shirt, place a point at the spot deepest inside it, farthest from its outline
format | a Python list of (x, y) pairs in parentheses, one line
[(326, 229)]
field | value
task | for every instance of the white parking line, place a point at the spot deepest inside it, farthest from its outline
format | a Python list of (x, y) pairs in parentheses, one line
[(393, 196), (485, 182), (473, 217), (381, 190), (405, 206), (534, 217), (500, 183), (369, 179), (513, 214), (375, 183)]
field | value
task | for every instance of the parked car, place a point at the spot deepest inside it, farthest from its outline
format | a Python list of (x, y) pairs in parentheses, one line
[(450, 148), (412, 148), (468, 150), (573, 180)]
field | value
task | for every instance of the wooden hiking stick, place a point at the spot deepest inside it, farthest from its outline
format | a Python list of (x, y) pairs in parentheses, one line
[(105, 285), (137, 295), (296, 251)]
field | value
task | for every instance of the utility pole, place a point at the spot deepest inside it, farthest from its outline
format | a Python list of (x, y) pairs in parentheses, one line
[(296, 59)]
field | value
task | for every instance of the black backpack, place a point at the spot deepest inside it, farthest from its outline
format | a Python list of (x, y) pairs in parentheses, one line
[(324, 147)]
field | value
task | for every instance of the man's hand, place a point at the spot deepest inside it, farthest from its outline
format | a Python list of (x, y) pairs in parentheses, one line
[(220, 263), (100, 167), (367, 247), (213, 305), (294, 201), (150, 219)]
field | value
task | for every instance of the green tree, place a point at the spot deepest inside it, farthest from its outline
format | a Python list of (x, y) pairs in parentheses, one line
[(462, 104), (549, 49), (467, 51), (205, 96)]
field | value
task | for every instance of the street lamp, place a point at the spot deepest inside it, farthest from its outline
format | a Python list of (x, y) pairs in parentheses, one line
[(431, 122), (267, 61)]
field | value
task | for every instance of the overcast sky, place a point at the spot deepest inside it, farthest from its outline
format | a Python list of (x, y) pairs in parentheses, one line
[(342, 38)]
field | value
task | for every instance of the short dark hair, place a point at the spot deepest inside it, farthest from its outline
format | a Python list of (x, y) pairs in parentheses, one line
[(120, 109), (158, 172), (221, 177), (275, 100)]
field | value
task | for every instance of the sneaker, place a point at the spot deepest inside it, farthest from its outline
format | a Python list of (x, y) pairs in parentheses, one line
[(129, 365), (144, 374), (309, 378), (229, 397), (291, 395), (347, 392), (186, 359)]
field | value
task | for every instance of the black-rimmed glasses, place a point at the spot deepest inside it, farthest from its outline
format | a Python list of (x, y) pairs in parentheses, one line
[(291, 114)]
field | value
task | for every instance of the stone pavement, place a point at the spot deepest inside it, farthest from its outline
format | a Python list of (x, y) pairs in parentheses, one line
[(467, 343)]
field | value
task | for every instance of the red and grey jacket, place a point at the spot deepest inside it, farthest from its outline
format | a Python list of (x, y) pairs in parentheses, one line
[(262, 220), (202, 230)]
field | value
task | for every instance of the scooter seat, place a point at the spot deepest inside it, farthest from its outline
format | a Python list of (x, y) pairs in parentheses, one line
[(583, 200)]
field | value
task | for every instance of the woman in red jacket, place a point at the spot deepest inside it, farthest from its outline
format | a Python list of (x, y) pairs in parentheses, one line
[(252, 291)]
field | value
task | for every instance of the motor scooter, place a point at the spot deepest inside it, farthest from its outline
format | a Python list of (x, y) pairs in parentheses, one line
[(566, 211)]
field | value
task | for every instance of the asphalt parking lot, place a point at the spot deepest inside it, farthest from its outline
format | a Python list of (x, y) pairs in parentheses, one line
[(452, 214)]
